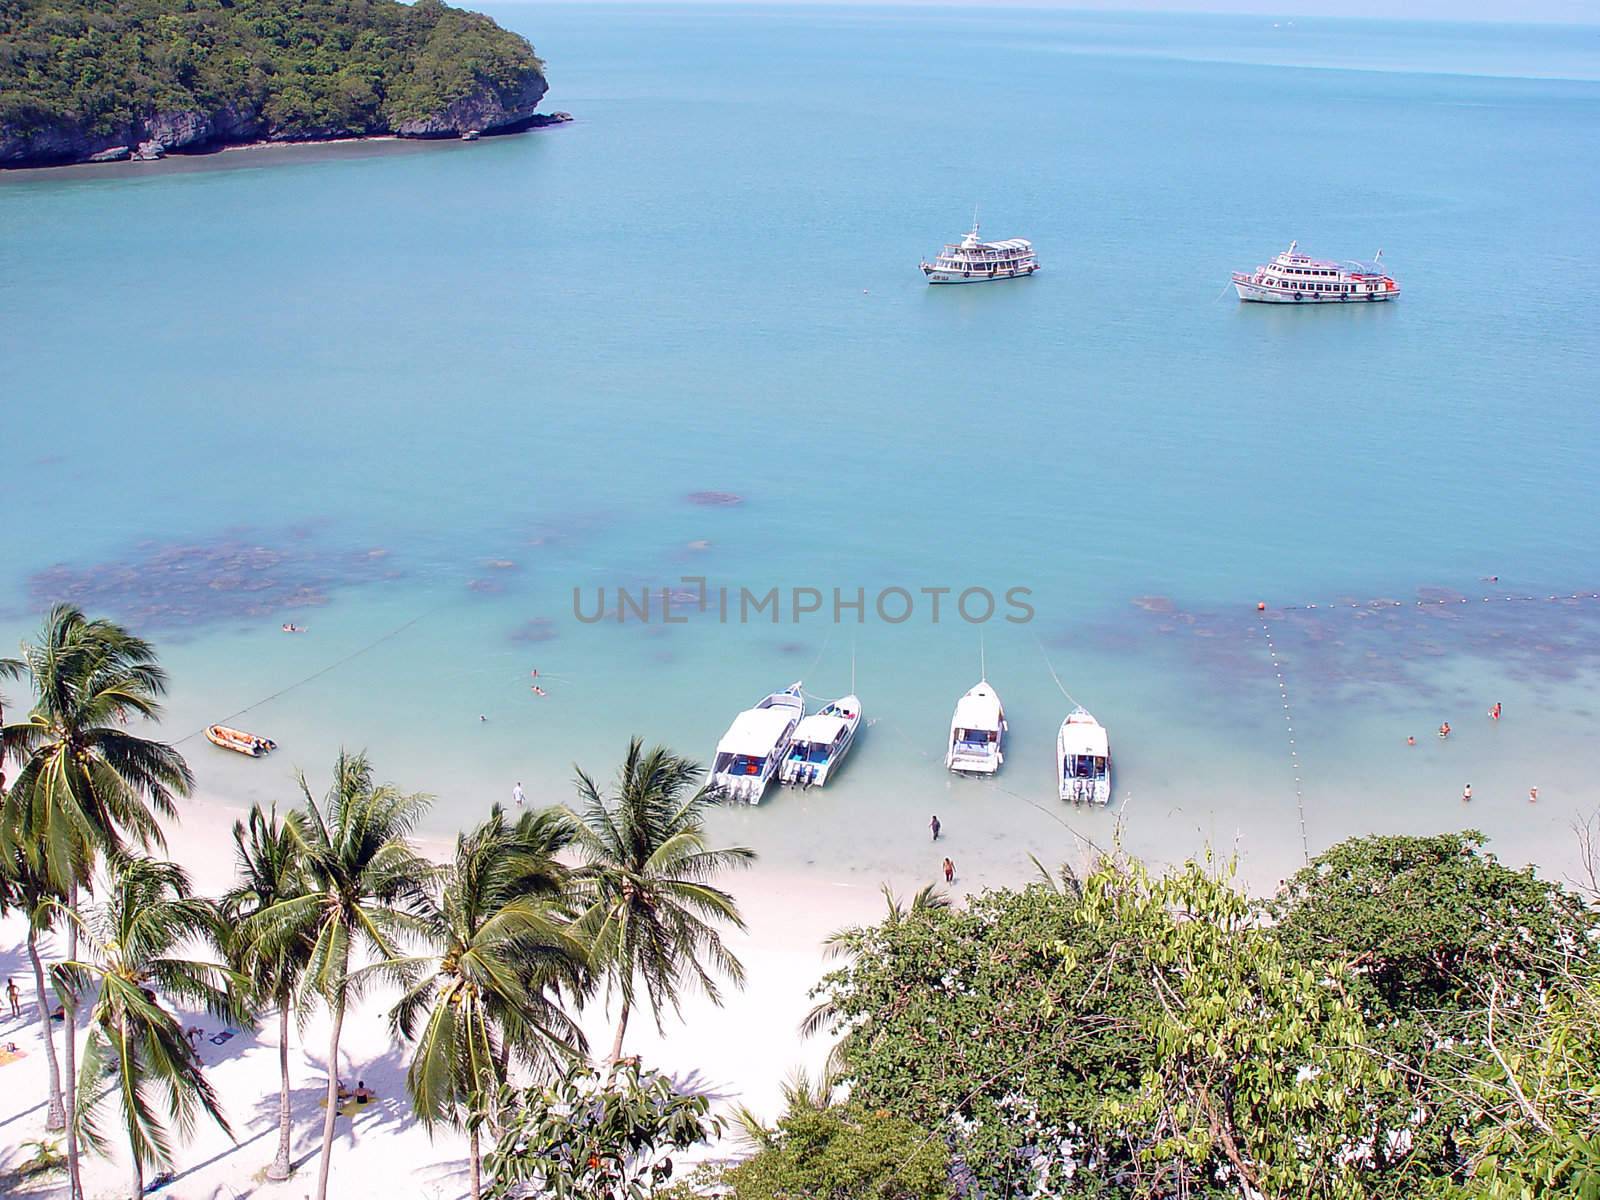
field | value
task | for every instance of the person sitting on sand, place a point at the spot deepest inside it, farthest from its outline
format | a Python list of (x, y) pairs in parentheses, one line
[(344, 1092)]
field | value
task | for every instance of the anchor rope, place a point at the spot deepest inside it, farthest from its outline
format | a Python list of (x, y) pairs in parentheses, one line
[(318, 674)]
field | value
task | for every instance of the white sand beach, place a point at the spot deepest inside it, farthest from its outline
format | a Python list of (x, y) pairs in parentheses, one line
[(739, 1052)]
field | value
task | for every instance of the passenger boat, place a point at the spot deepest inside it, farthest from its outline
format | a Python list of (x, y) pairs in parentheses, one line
[(239, 741), (750, 752), (977, 732), (1083, 759), (972, 261), (820, 742), (1297, 278)]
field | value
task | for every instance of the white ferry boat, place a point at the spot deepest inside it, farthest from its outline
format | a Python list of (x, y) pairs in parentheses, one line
[(1296, 278), (749, 753), (820, 742), (972, 261), (977, 732), (1083, 759)]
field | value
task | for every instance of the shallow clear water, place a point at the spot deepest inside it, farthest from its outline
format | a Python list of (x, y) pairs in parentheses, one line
[(395, 369)]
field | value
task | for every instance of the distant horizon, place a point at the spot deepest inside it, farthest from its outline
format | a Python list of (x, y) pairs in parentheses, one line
[(1575, 13)]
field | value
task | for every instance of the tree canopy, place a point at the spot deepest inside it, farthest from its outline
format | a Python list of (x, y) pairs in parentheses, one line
[(306, 67)]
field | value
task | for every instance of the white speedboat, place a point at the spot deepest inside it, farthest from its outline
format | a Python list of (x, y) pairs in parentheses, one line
[(821, 741), (1083, 759), (749, 753), (972, 261), (1296, 278), (977, 732)]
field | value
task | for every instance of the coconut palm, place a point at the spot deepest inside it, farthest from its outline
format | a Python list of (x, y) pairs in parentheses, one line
[(362, 878), (269, 871), (22, 890), (651, 912), (87, 786), (131, 948), (496, 925)]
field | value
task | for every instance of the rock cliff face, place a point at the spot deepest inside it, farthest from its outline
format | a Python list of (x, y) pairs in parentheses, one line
[(46, 141)]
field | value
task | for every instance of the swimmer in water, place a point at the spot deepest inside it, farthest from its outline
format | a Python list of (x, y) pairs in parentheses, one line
[(1444, 730), (537, 690), (1466, 794), (1533, 795), (1411, 741), (481, 717), (1494, 713)]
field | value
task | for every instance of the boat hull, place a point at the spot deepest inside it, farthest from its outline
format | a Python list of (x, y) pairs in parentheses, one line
[(1252, 293), (937, 276)]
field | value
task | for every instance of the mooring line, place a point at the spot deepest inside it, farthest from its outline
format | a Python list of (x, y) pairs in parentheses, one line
[(1437, 602), (1294, 752), (333, 666)]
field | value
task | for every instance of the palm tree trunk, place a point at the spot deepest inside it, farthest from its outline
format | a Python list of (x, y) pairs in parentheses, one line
[(133, 1148), (70, 1027), (56, 1118), (474, 1153), (333, 1098), (279, 1170), (616, 1044)]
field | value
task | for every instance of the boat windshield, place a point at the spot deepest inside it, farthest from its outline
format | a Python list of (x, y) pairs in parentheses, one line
[(976, 738), (1084, 766)]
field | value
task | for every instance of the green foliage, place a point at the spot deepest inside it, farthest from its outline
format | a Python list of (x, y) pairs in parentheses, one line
[(1430, 930), (310, 67), (844, 1153), (44, 1157), (592, 1137), (1260, 1075)]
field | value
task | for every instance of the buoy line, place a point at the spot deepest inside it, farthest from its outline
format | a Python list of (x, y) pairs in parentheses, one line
[(1438, 602), (1294, 752)]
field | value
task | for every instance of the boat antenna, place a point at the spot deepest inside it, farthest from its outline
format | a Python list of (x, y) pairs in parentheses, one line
[(983, 663), (852, 666), (974, 218)]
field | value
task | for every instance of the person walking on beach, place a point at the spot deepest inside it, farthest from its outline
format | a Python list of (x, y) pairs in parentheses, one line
[(1494, 713), (935, 826), (1466, 794), (1533, 795), (519, 795), (11, 995), (949, 871)]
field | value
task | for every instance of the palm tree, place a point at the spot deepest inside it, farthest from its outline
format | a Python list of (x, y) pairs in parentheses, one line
[(131, 945), (497, 927), (87, 785), (362, 876), (22, 890), (269, 872), (651, 911)]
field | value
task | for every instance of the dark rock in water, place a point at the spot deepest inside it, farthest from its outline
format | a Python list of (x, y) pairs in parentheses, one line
[(714, 499), (539, 629), (1155, 604), (167, 585)]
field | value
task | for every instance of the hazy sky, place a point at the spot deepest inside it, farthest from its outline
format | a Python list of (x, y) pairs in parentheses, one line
[(1582, 12)]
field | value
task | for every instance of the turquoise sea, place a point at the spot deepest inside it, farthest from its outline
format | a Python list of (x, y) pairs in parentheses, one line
[(412, 396)]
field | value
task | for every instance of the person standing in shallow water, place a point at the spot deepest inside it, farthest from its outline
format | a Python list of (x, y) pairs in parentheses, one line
[(935, 826), (519, 795)]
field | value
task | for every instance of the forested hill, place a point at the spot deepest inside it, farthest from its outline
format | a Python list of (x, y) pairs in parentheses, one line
[(102, 79)]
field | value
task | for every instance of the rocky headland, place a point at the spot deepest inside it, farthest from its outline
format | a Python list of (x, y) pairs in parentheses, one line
[(138, 79)]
